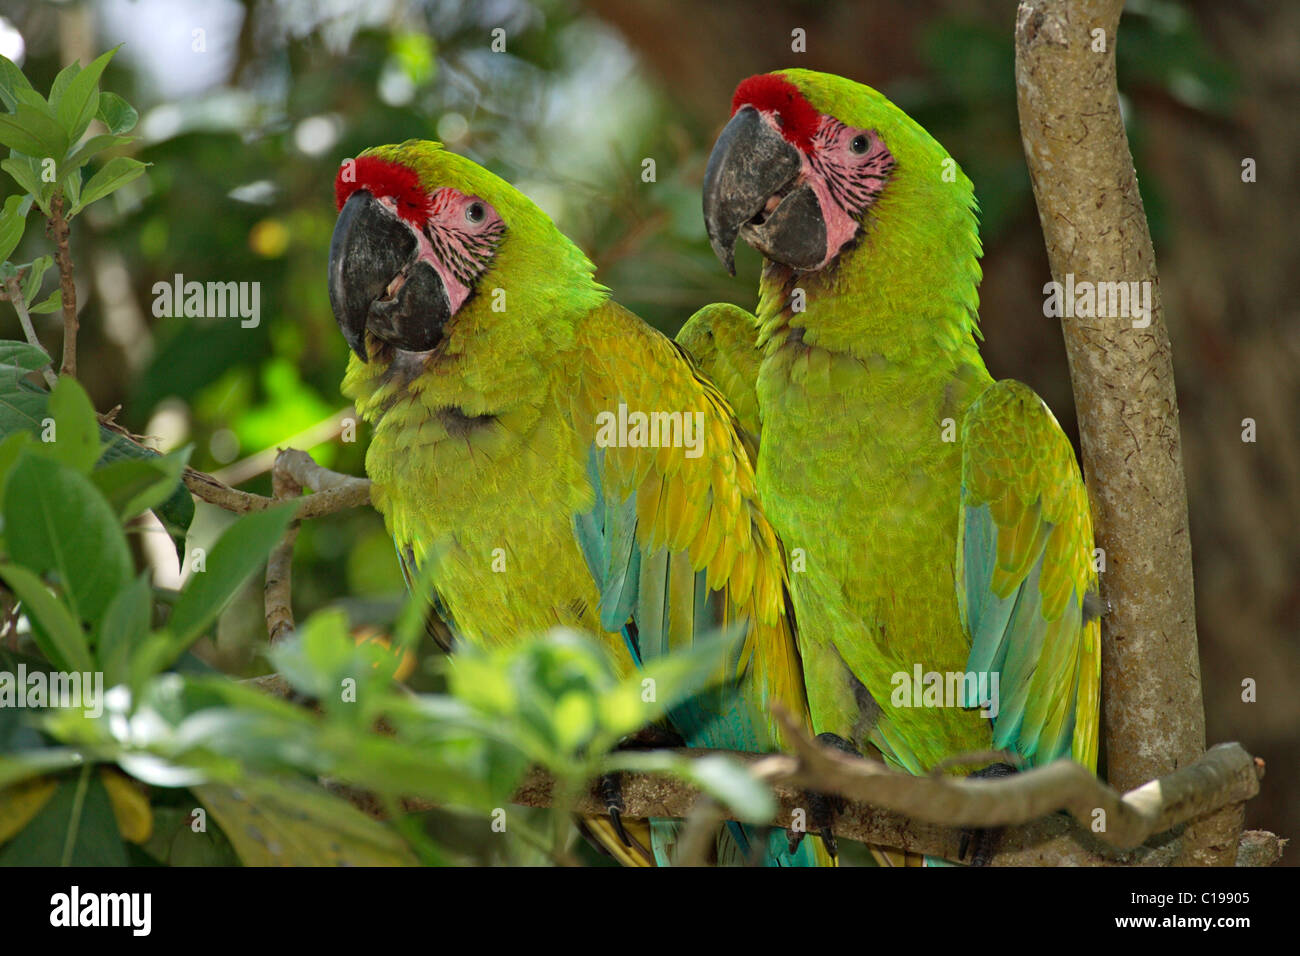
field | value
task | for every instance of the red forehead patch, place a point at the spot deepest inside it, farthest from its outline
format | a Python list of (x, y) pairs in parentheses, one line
[(768, 92), (381, 178)]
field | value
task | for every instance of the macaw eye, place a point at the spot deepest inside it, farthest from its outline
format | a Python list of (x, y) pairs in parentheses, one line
[(474, 212), (859, 144)]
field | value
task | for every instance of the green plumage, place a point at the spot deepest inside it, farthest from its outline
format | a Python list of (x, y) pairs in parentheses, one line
[(488, 465), (932, 516)]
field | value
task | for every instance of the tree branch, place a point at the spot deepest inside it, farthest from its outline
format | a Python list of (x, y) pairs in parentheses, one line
[(1096, 231), (338, 492), (67, 283), (293, 471), (14, 293), (278, 592), (927, 815)]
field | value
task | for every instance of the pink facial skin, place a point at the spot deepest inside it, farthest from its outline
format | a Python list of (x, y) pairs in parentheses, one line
[(845, 181), (458, 240)]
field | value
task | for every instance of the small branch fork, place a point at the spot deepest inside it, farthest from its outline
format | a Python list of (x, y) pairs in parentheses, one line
[(14, 293), (293, 471)]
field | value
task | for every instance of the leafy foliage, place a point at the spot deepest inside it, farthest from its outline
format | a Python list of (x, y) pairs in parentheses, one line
[(92, 777)]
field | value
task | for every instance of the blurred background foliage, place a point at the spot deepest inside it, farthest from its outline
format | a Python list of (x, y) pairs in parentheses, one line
[(248, 107)]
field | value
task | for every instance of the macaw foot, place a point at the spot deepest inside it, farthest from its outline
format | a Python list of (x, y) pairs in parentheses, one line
[(983, 843), (822, 807), (610, 785)]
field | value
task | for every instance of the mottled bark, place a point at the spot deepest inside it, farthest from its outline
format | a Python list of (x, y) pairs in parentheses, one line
[(1096, 231)]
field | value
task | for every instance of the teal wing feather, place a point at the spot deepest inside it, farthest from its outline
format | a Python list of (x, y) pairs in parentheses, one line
[(658, 600), (680, 550), (1027, 591)]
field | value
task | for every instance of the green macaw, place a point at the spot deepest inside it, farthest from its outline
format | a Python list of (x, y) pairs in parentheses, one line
[(935, 520), (503, 386), (720, 338)]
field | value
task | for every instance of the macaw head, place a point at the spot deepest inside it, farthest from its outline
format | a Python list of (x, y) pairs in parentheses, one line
[(428, 244), (807, 160)]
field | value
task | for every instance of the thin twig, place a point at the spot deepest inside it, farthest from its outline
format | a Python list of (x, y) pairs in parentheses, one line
[(339, 492), (699, 833), (63, 258), (263, 461), (293, 471), (278, 591), (14, 292)]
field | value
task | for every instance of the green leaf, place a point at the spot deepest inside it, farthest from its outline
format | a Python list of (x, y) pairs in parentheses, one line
[(71, 186), (177, 512), (34, 132), (295, 823), (35, 101), (12, 225), (17, 767), (12, 81), (175, 843), (61, 81), (124, 627), (117, 114), (676, 677), (133, 486), (23, 407), (26, 173), (115, 174), (240, 551), (92, 148), (10, 449), (52, 303), (76, 429), (23, 355), (78, 833), (32, 282), (77, 103), (57, 521), (54, 628)]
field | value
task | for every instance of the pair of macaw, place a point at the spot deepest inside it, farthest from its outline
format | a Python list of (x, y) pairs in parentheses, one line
[(860, 475)]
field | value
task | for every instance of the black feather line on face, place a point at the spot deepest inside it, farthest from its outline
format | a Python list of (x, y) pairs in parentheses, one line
[(479, 249), (854, 186)]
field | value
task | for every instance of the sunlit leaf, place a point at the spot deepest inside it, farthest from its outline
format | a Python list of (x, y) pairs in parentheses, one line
[(79, 101), (12, 80), (117, 114), (115, 174), (12, 225), (34, 132), (32, 281), (76, 428)]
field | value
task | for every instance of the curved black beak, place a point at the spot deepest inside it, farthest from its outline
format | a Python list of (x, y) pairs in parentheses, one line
[(376, 283), (751, 187)]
